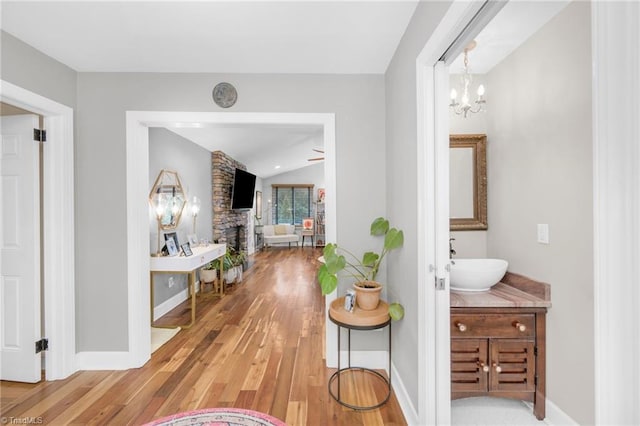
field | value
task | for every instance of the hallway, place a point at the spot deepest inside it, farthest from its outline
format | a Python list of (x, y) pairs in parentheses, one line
[(261, 347)]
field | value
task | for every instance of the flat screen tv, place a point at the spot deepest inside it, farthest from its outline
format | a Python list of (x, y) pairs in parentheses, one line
[(244, 184)]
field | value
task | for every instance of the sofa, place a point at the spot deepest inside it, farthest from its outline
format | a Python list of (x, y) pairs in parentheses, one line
[(275, 234)]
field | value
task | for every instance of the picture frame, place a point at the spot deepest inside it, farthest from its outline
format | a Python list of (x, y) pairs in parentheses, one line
[(172, 236), (307, 223), (258, 205), (171, 247), (186, 249), (193, 240)]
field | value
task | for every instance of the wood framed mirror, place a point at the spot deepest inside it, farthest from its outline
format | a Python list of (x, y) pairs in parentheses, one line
[(468, 182)]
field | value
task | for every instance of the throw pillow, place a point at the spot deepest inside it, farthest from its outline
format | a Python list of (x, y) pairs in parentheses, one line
[(280, 229)]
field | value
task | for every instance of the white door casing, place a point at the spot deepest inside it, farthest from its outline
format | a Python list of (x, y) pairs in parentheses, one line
[(442, 235), (461, 21), (58, 226), (19, 250), (137, 151)]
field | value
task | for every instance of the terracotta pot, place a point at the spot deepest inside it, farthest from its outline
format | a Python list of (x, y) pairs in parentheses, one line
[(367, 294)]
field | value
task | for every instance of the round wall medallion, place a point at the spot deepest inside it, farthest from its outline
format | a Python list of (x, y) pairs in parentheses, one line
[(225, 95)]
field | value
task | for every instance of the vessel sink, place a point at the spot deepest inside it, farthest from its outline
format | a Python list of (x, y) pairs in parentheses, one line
[(476, 274)]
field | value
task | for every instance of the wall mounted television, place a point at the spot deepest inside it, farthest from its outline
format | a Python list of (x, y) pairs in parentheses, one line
[(243, 190)]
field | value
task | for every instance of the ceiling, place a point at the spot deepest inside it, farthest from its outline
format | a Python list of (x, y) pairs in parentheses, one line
[(512, 26), (266, 150), (338, 37), (319, 37)]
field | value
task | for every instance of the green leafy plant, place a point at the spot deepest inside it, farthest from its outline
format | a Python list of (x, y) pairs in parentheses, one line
[(338, 259), (233, 258), (211, 265)]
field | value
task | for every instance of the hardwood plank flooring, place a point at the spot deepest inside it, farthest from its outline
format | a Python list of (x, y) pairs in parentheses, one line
[(260, 347)]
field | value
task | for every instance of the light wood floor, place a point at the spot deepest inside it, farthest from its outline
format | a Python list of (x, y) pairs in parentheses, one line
[(261, 347)]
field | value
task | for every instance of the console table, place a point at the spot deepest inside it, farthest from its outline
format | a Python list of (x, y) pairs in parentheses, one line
[(188, 265), (359, 319)]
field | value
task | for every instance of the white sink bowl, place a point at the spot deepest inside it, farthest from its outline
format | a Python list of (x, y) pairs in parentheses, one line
[(476, 274)]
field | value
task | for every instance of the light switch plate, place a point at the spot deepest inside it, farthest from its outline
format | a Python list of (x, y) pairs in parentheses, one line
[(543, 233)]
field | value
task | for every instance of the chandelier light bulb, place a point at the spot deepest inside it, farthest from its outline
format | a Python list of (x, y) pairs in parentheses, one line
[(454, 94), (481, 90)]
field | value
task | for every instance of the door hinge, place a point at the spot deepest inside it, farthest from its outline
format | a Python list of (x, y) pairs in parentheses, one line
[(535, 351), (42, 345), (439, 283), (535, 380), (39, 135)]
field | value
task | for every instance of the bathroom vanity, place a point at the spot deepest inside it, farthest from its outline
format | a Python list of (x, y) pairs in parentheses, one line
[(498, 341)]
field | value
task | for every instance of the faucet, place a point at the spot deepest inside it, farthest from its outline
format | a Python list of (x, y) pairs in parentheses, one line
[(452, 252)]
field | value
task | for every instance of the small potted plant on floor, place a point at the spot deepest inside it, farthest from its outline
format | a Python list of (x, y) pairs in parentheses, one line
[(363, 270), (209, 273), (233, 262)]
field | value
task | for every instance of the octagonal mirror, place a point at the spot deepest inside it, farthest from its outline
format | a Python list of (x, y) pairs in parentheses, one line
[(167, 199)]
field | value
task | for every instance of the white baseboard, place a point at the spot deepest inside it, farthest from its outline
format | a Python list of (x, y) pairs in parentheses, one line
[(409, 411), (554, 415), (169, 304), (103, 360)]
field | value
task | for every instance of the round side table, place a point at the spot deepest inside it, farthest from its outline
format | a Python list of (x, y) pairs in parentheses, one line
[(359, 320)]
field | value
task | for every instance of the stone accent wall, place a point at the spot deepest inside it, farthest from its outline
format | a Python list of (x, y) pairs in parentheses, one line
[(225, 220)]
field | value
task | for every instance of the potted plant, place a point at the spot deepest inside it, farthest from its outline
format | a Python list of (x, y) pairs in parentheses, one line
[(209, 273), (363, 270), (233, 264)]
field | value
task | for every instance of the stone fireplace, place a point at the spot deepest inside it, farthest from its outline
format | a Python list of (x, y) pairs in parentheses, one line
[(229, 226)]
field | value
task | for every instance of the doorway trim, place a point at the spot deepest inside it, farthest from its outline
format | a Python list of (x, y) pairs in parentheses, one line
[(58, 233), (432, 85), (616, 209), (137, 168)]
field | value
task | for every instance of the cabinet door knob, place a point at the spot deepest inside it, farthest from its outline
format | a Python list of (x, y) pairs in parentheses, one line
[(461, 327), (483, 366), (521, 327), (497, 368)]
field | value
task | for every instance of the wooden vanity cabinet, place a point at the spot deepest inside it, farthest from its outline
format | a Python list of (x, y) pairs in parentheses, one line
[(499, 352)]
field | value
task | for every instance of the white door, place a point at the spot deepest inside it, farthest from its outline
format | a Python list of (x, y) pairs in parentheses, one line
[(19, 250)]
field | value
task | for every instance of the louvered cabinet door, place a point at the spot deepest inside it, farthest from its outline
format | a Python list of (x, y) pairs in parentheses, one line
[(512, 365), (469, 365)]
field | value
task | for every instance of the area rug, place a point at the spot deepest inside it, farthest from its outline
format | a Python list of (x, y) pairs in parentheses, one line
[(160, 336), (218, 417)]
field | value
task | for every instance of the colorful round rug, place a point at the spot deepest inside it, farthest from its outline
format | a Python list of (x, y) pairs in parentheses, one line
[(218, 417)]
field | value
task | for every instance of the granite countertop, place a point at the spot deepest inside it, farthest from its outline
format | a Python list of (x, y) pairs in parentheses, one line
[(514, 291)]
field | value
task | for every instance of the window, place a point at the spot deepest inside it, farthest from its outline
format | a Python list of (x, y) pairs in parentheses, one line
[(292, 203)]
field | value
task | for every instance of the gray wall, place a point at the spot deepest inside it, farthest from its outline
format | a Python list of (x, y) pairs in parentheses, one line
[(402, 190), (103, 98), (30, 69), (170, 151), (540, 171)]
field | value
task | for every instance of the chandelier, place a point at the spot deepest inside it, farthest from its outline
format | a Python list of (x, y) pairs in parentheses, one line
[(464, 106)]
